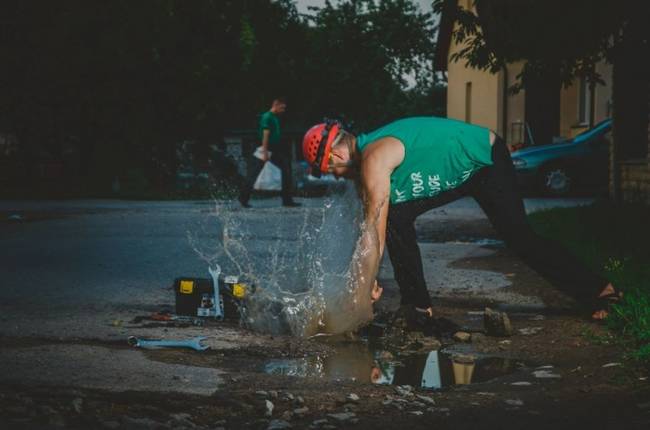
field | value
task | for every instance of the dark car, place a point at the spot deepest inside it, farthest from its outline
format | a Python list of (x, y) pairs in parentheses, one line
[(574, 164)]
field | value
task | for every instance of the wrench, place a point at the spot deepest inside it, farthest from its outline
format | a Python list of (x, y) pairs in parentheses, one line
[(194, 343), (218, 307)]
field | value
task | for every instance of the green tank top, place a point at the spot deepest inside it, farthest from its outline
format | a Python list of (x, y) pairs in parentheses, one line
[(440, 154)]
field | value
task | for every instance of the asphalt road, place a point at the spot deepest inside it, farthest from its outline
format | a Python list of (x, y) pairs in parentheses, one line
[(71, 256), (74, 274)]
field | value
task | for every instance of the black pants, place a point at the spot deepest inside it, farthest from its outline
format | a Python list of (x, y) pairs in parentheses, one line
[(255, 165), (495, 190)]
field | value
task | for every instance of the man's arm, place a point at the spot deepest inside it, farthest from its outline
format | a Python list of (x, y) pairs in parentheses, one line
[(265, 144), (380, 158)]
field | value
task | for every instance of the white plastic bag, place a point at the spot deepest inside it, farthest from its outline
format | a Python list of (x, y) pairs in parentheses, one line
[(269, 179)]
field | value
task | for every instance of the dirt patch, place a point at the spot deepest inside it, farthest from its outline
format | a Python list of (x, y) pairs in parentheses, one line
[(575, 375), (582, 378), (584, 393), (243, 358)]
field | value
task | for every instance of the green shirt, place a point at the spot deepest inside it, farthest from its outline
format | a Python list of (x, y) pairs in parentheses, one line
[(440, 154), (269, 121)]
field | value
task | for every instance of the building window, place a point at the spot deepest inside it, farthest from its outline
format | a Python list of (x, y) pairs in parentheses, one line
[(584, 103), (468, 102)]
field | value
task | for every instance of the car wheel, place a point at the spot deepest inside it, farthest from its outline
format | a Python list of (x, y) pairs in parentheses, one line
[(556, 181)]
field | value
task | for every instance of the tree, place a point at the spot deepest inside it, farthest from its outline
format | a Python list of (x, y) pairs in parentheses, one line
[(360, 53), (125, 82), (123, 79), (567, 39)]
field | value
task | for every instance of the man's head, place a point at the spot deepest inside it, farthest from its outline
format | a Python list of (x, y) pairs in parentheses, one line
[(341, 160), (330, 149), (279, 105)]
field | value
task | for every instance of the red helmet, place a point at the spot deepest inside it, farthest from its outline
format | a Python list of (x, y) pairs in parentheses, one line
[(317, 143)]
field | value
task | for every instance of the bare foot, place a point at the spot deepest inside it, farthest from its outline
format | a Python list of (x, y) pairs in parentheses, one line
[(602, 313), (609, 289)]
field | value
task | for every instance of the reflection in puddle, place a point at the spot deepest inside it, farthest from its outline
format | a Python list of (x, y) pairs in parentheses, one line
[(463, 367), (432, 370)]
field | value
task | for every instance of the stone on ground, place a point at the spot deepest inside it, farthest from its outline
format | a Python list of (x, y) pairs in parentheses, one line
[(497, 324)]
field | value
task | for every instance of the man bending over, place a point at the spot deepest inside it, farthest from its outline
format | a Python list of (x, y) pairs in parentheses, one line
[(416, 164)]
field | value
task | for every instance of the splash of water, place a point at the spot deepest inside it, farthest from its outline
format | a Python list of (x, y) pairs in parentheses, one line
[(309, 278)]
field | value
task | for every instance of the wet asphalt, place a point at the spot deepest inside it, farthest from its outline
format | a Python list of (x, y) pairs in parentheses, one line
[(81, 269), (67, 254)]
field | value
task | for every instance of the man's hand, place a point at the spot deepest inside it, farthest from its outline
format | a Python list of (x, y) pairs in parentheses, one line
[(376, 292), (428, 311), (375, 374), (265, 155), (379, 160)]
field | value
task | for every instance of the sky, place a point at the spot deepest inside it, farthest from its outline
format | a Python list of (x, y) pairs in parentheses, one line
[(425, 6), (302, 5)]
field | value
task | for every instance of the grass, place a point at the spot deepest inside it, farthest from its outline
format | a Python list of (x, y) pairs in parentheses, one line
[(613, 240)]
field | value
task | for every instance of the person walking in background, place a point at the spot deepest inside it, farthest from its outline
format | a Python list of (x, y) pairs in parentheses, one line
[(272, 150)]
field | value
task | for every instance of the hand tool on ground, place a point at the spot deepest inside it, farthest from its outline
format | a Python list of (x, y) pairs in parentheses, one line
[(213, 297), (194, 343), (159, 316), (218, 306)]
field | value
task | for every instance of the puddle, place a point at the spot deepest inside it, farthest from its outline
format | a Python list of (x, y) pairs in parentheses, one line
[(431, 370)]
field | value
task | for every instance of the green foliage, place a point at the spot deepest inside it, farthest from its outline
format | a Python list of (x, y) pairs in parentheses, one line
[(124, 82), (361, 52), (643, 353), (604, 232), (612, 240), (632, 318), (246, 43), (565, 40)]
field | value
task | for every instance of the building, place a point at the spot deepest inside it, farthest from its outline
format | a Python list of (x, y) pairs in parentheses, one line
[(542, 112), (545, 111)]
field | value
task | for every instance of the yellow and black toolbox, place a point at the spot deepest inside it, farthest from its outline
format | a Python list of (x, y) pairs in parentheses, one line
[(195, 296)]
